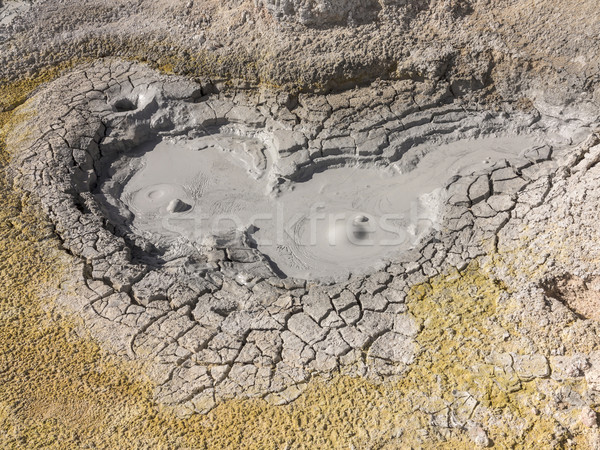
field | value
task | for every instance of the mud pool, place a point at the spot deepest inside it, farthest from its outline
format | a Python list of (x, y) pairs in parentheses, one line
[(341, 221)]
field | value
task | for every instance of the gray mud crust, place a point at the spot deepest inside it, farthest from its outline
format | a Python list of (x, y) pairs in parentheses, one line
[(215, 321)]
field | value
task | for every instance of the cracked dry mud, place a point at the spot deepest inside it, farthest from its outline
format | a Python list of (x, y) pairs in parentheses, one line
[(480, 327), (213, 321)]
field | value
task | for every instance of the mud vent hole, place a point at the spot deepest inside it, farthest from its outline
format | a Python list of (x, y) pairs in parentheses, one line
[(580, 296), (123, 105)]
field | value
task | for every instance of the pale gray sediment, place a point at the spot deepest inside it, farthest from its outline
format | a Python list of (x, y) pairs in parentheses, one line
[(212, 317), (307, 229)]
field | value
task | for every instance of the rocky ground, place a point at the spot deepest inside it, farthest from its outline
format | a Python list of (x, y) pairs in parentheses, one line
[(485, 335)]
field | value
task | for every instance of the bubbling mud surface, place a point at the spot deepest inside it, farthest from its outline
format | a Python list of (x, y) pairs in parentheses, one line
[(341, 221)]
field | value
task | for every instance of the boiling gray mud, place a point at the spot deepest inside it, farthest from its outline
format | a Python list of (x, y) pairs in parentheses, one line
[(342, 220)]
